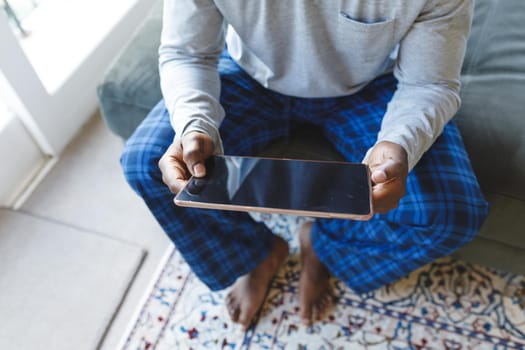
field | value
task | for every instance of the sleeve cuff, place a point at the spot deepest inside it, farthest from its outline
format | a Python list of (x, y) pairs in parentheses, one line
[(197, 125), (412, 155)]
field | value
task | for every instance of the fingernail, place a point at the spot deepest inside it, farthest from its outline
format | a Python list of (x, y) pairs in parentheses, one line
[(379, 176), (199, 170)]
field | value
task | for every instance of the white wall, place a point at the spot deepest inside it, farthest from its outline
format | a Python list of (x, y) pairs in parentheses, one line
[(22, 160)]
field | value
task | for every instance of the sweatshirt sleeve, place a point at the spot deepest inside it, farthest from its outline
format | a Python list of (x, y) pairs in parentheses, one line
[(192, 40), (428, 68)]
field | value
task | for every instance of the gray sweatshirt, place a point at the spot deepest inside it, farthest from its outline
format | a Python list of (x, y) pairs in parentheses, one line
[(319, 48)]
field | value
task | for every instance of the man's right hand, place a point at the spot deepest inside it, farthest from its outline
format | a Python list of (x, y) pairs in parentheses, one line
[(185, 157)]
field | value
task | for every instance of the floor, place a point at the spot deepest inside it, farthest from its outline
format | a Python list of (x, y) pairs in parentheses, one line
[(78, 256)]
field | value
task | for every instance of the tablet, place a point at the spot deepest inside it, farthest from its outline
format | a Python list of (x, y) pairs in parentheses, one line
[(289, 186)]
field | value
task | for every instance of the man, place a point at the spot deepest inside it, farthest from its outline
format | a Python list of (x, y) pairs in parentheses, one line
[(326, 63)]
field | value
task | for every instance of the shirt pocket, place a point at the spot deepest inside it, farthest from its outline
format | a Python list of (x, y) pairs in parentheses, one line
[(366, 41)]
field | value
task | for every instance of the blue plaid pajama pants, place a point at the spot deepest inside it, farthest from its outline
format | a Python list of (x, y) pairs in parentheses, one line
[(442, 210)]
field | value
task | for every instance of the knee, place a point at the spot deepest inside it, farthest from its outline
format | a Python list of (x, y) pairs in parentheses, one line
[(468, 219), (139, 163), (458, 228)]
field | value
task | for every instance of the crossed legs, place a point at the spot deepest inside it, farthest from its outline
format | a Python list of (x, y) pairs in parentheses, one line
[(224, 248)]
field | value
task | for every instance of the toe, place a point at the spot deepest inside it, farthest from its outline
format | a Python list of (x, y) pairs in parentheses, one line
[(316, 312), (325, 301), (306, 321), (233, 308), (234, 312), (306, 314), (245, 319)]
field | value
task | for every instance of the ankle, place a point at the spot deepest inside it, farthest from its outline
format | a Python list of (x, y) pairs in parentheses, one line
[(275, 257), (305, 236), (279, 251)]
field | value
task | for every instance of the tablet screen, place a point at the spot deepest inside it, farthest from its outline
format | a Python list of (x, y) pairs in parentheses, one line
[(281, 185)]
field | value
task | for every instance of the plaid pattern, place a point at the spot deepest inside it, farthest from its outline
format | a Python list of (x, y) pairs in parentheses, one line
[(442, 209)]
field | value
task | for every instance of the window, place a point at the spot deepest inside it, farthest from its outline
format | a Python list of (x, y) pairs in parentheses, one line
[(49, 70), (17, 11)]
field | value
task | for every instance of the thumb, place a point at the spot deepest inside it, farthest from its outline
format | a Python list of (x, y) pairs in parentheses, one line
[(383, 173), (199, 170), (197, 147)]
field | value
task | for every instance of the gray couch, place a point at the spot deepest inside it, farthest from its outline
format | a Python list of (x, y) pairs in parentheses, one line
[(491, 119)]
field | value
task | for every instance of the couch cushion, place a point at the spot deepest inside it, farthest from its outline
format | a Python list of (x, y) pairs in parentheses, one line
[(492, 117), (131, 86), (494, 254), (506, 221)]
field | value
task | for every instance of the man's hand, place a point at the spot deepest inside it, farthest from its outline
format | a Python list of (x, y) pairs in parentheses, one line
[(185, 157), (388, 164)]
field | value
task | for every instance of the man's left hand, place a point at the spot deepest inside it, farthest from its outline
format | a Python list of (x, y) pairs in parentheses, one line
[(388, 164)]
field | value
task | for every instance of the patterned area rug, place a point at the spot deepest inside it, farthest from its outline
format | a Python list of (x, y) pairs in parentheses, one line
[(448, 304)]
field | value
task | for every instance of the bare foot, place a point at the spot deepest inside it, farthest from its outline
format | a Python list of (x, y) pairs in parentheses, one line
[(248, 292), (314, 286)]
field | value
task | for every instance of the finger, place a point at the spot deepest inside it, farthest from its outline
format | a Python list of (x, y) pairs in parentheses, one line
[(386, 196), (197, 148), (174, 172), (379, 176), (175, 184), (385, 209), (384, 172)]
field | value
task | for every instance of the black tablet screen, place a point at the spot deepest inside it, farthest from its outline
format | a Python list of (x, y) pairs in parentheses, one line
[(282, 184)]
